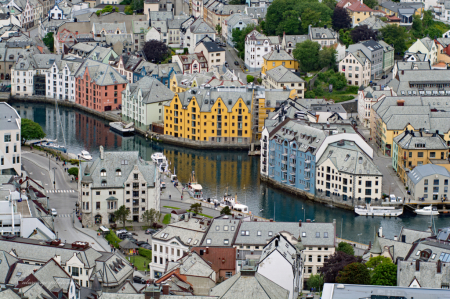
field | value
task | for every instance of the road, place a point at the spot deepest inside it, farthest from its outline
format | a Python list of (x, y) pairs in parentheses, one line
[(230, 57)]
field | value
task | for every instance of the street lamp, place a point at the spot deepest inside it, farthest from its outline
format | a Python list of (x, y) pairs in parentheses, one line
[(54, 177)]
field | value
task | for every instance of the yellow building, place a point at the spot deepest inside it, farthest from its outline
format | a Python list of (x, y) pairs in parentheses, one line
[(413, 149), (210, 114), (358, 12), (276, 58), (182, 82)]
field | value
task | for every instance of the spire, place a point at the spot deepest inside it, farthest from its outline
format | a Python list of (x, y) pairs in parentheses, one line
[(376, 248)]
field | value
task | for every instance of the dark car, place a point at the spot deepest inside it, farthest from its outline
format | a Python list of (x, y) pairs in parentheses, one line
[(150, 231), (146, 246), (226, 64), (384, 76), (236, 63), (140, 243), (138, 279)]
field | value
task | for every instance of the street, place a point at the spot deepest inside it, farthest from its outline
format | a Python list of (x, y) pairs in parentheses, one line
[(230, 57)]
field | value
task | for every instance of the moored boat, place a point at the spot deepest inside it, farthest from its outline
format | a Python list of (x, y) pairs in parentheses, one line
[(427, 211), (193, 188), (369, 210), (121, 128), (85, 155), (54, 146)]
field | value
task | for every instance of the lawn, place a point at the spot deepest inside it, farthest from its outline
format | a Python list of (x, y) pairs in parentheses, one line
[(204, 215), (341, 91), (166, 219), (140, 262), (169, 207), (113, 239)]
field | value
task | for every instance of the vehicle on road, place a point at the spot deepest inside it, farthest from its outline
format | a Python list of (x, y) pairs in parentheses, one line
[(310, 296), (226, 64), (150, 231), (236, 63), (140, 243), (163, 185), (146, 246), (53, 212), (384, 76), (138, 279)]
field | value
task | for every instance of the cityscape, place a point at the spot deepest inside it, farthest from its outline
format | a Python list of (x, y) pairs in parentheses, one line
[(224, 149)]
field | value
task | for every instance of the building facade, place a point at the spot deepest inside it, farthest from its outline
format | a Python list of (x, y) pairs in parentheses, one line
[(374, 52), (428, 182), (357, 68), (10, 149), (256, 46)]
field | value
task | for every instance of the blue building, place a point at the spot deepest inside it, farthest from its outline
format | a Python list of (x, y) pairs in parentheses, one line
[(161, 72)]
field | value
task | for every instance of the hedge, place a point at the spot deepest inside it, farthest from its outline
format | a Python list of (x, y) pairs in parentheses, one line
[(145, 253)]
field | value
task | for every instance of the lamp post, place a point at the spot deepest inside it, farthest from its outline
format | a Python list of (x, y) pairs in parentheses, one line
[(54, 177)]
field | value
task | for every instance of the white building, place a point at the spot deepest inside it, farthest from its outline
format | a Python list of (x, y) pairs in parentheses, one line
[(142, 102), (366, 98), (115, 179), (10, 151), (195, 33), (60, 80), (60, 11), (256, 46), (281, 262), (170, 243), (356, 67)]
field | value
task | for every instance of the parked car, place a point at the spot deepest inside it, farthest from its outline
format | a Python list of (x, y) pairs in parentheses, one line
[(53, 212), (163, 185), (140, 243), (226, 64), (310, 296), (146, 246), (236, 62), (120, 231), (150, 231), (384, 77), (138, 279)]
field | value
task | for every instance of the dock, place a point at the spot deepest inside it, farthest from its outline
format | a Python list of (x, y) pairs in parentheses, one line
[(442, 207)]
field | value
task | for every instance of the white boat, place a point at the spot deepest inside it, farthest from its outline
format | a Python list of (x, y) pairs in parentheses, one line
[(369, 210), (232, 203), (121, 128), (193, 188), (85, 155), (427, 211), (159, 159)]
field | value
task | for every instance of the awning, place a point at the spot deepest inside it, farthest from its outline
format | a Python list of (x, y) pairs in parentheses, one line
[(111, 198), (104, 229)]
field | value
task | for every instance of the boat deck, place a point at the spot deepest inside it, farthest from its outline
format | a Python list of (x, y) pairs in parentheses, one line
[(443, 208)]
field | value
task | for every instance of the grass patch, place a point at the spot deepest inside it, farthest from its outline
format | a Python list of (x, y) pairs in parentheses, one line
[(169, 207), (129, 228), (140, 262), (113, 239), (166, 219), (204, 215), (147, 253)]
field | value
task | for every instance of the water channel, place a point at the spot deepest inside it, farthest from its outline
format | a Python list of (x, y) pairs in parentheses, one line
[(217, 171)]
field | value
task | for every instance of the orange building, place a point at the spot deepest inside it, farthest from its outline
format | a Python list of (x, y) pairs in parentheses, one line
[(99, 86)]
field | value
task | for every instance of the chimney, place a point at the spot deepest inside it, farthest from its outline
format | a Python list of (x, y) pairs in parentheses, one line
[(102, 156), (395, 238), (300, 223), (271, 220), (439, 266), (380, 232), (370, 244), (403, 72), (207, 250), (417, 265), (165, 289), (308, 220), (400, 102)]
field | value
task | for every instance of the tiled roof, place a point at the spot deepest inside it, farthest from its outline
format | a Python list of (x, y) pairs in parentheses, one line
[(153, 91), (221, 258), (278, 55), (281, 74), (102, 74), (358, 6)]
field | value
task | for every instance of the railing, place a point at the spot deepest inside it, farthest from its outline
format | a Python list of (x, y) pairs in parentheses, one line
[(307, 169)]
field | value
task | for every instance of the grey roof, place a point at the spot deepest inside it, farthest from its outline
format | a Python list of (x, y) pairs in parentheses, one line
[(213, 47), (238, 17), (423, 171), (21, 271), (189, 232), (285, 248), (281, 74), (360, 57), (9, 118), (259, 233), (394, 6), (396, 249), (346, 291), (438, 251), (201, 27), (250, 287), (127, 244), (278, 55), (7, 261), (349, 158), (192, 265), (161, 26), (140, 26), (321, 33), (417, 56), (226, 9), (153, 91), (427, 276), (9, 294), (176, 22), (103, 74), (109, 28), (411, 65), (412, 235), (101, 53), (295, 39), (443, 41), (443, 234), (410, 140), (113, 161), (160, 15), (221, 229), (427, 42), (52, 275), (373, 22), (256, 12)]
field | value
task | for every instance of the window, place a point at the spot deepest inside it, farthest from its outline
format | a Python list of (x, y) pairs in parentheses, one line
[(258, 233), (136, 176), (425, 182), (208, 241), (97, 205), (303, 234), (436, 182), (8, 137), (228, 274), (420, 154), (226, 241), (310, 259), (270, 234), (103, 172), (118, 172), (325, 234), (75, 271), (317, 235)]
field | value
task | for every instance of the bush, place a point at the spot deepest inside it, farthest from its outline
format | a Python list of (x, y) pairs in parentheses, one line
[(352, 89), (250, 78), (259, 80), (74, 161), (185, 50), (166, 219), (145, 253), (310, 94), (113, 239), (322, 77), (319, 91), (73, 171)]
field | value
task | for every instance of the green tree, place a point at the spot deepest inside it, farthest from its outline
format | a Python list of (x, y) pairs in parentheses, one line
[(345, 247), (274, 15), (122, 214), (310, 17), (346, 37), (327, 57), (330, 3), (433, 32), (150, 216), (219, 29), (325, 14), (49, 41), (373, 262), (307, 53), (196, 208), (354, 273), (315, 281), (128, 10), (427, 19), (73, 171), (396, 36), (417, 27), (30, 130), (385, 274), (371, 3), (236, 2), (291, 24), (309, 94), (250, 78), (225, 211), (238, 38)]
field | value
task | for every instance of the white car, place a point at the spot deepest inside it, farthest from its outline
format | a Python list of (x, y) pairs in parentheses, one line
[(53, 212)]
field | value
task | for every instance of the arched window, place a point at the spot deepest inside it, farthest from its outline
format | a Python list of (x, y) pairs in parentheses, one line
[(103, 172), (103, 183), (118, 172)]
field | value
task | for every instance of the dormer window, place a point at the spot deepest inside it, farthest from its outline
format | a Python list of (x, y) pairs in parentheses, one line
[(103, 172), (118, 172)]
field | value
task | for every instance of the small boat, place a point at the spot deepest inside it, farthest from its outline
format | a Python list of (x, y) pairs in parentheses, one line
[(427, 211), (194, 189), (54, 146), (85, 155), (159, 159), (369, 210), (232, 203), (121, 128)]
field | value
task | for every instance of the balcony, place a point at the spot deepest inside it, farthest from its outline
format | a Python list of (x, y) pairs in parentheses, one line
[(272, 149), (307, 161), (292, 165), (284, 154), (135, 204), (264, 155), (307, 178), (272, 164), (284, 161), (284, 180), (307, 169), (292, 182), (271, 175)]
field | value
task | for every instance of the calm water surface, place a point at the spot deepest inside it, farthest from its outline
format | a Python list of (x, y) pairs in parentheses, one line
[(217, 172)]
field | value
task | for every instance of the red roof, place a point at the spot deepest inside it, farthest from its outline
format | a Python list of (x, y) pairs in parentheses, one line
[(221, 258), (342, 3), (393, 18), (359, 7)]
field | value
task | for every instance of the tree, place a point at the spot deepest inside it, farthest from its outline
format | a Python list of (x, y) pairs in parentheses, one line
[(238, 38), (73, 171), (310, 17), (225, 211), (324, 14), (128, 10), (30, 130), (336, 263), (396, 36), (151, 216), (219, 29), (427, 19), (371, 3), (385, 274), (330, 3), (361, 33), (196, 208), (341, 19), (307, 53), (338, 81), (236, 2), (250, 78), (373, 262), (354, 273), (345, 247), (156, 51), (275, 12), (315, 281), (122, 214), (327, 57), (49, 41), (417, 27), (345, 37), (291, 24)]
